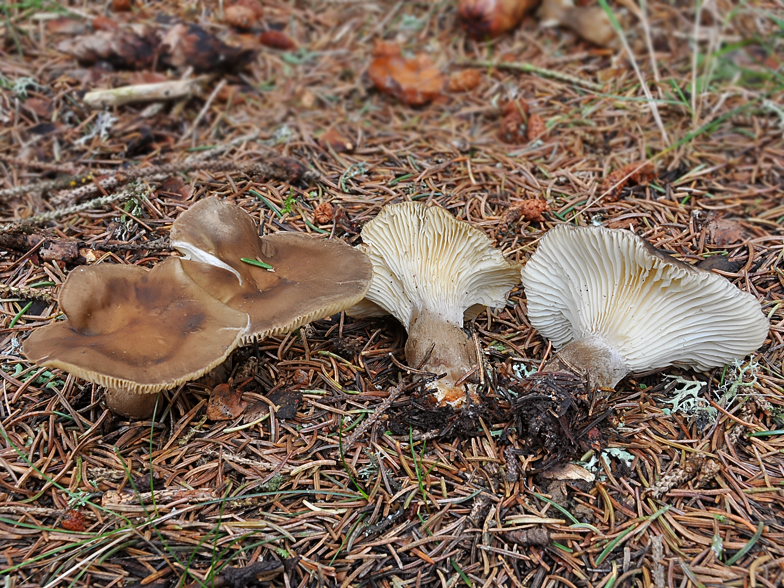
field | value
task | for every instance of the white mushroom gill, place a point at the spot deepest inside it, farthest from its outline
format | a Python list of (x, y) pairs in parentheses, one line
[(609, 288), (430, 270)]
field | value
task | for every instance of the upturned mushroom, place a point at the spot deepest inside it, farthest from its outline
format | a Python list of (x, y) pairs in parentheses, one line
[(432, 272), (136, 332), (612, 304), (281, 281)]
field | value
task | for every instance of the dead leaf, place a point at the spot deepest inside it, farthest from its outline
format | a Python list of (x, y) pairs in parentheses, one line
[(132, 47), (568, 471), (242, 17), (225, 403), (277, 40), (723, 232), (67, 26), (334, 139), (529, 210), (287, 402), (103, 23), (526, 537), (415, 81), (191, 46), (465, 80), (588, 22), (121, 5), (483, 19), (635, 173), (174, 187), (73, 521)]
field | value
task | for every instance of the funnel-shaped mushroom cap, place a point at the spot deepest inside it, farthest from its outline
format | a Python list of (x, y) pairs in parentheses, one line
[(426, 259), (135, 330), (597, 284), (310, 278)]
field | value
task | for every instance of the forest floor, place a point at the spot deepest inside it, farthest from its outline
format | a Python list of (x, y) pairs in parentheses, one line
[(675, 478)]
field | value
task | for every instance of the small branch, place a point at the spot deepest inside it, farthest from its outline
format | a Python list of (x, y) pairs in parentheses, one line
[(540, 71), (136, 190), (27, 293)]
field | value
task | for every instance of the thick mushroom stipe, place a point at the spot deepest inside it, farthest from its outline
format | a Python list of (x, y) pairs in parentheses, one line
[(607, 299), (431, 271), (136, 332), (310, 278)]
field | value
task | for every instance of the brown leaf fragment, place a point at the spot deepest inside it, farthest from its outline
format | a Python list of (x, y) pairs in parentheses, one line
[(67, 26), (174, 187), (568, 471), (723, 232), (187, 45), (103, 23), (131, 47), (225, 403), (482, 19), (514, 118), (73, 520), (242, 17), (632, 173), (465, 80), (286, 401), (323, 213), (121, 5), (527, 537), (414, 81), (536, 128), (529, 210), (334, 139), (277, 40)]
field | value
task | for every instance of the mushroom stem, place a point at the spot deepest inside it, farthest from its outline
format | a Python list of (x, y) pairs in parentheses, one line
[(591, 355), (130, 404), (436, 345)]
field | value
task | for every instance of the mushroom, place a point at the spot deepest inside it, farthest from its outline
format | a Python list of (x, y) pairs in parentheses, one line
[(287, 280), (432, 272), (612, 304), (136, 332)]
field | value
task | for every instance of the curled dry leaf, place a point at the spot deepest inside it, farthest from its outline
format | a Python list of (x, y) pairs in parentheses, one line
[(332, 138), (464, 81), (513, 121), (490, 18), (635, 173), (121, 5), (415, 81), (190, 45), (723, 232), (536, 128), (323, 213), (73, 520), (132, 47), (239, 16), (225, 403), (529, 210), (276, 40)]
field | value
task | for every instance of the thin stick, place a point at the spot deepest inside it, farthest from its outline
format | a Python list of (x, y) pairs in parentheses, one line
[(135, 190), (22, 292), (540, 71)]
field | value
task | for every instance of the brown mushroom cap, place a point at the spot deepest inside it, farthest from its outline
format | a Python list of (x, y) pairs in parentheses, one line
[(136, 331), (310, 278)]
